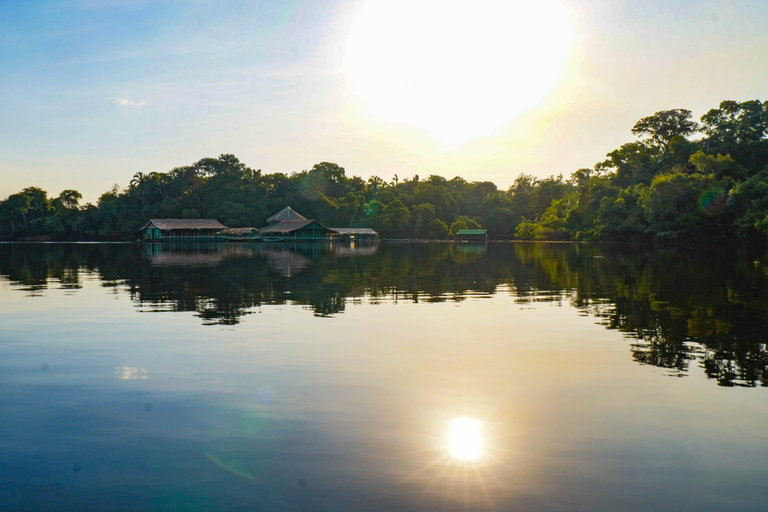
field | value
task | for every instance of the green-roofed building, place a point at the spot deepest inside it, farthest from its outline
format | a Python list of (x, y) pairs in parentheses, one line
[(195, 230), (472, 235)]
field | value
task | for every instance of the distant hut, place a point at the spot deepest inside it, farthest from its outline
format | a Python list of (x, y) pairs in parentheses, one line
[(237, 234), (182, 229), (364, 234), (472, 235)]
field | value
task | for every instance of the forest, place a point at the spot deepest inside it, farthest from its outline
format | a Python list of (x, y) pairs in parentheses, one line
[(679, 180)]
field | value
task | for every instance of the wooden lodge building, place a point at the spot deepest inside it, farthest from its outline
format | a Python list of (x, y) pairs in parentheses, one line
[(288, 230), (472, 235), (182, 229), (366, 234), (286, 225)]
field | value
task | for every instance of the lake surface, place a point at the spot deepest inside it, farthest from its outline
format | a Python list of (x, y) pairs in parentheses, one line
[(330, 378)]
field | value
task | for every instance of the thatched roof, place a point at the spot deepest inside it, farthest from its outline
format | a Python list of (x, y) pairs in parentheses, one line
[(286, 213), (168, 224), (289, 226), (237, 232), (356, 231)]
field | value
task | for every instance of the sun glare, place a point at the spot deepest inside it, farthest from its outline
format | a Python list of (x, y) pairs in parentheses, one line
[(464, 439), (455, 68)]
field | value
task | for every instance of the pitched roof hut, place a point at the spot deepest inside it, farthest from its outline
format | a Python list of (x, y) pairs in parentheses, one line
[(187, 229), (288, 224), (286, 213), (472, 235), (238, 233), (357, 233), (296, 230)]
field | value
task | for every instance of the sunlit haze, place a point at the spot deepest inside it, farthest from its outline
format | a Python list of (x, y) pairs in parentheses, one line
[(96, 91), (458, 70)]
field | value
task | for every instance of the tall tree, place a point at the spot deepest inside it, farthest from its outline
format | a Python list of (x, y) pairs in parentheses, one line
[(664, 125)]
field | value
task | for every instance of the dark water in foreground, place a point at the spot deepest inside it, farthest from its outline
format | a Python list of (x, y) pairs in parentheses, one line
[(269, 377)]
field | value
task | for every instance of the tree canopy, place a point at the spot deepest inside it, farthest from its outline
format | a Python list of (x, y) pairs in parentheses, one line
[(681, 179)]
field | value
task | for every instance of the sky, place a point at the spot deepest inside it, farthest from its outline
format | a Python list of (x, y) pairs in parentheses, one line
[(94, 91)]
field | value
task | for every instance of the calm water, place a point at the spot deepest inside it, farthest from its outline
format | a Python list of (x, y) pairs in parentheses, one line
[(268, 377)]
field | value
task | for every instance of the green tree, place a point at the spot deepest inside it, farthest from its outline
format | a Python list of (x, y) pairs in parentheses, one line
[(739, 130), (426, 224), (672, 205), (665, 125), (720, 166), (748, 202), (463, 222), (14, 210)]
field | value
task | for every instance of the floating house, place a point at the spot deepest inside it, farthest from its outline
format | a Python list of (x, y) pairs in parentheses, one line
[(239, 234), (289, 230), (290, 225), (182, 229), (359, 234), (472, 235)]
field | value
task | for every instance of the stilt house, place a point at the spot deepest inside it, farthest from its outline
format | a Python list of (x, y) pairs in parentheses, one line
[(288, 224), (182, 229)]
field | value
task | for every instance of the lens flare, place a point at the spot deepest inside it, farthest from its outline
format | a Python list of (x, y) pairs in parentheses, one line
[(464, 439), (713, 201)]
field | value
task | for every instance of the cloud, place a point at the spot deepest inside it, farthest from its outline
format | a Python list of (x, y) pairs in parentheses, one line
[(128, 103)]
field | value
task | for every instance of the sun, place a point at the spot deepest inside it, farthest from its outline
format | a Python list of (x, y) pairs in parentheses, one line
[(464, 440), (455, 68)]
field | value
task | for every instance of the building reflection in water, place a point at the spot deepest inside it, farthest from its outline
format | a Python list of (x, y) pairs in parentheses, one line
[(284, 261), (681, 309), (472, 384)]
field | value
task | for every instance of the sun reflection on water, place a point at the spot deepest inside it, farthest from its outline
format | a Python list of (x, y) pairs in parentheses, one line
[(464, 440)]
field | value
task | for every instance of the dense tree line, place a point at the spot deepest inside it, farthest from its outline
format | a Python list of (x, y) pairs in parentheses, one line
[(670, 185), (682, 179)]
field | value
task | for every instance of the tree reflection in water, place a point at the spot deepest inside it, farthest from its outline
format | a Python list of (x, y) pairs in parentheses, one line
[(678, 306)]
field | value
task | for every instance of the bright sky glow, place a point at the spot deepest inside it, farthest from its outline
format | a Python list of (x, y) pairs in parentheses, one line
[(95, 91), (464, 440), (457, 69)]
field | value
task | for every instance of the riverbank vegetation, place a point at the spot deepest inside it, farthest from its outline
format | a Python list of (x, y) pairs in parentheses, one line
[(680, 180)]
